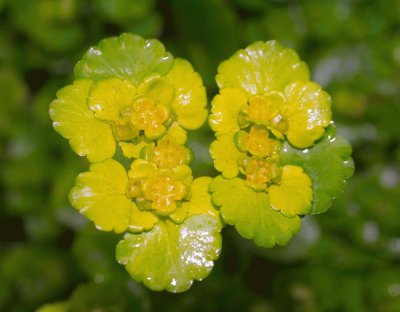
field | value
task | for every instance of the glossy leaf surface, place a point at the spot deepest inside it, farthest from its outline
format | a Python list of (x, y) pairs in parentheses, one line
[(128, 57), (99, 194), (251, 213), (73, 119), (262, 67), (171, 256), (328, 163)]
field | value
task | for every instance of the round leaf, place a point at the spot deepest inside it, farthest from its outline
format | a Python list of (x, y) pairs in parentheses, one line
[(128, 57), (99, 194), (171, 256), (251, 213), (328, 163), (74, 121)]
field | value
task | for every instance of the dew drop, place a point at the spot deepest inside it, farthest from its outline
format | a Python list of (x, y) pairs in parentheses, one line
[(173, 282)]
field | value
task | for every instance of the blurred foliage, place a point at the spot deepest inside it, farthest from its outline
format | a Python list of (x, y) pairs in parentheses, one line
[(49, 257)]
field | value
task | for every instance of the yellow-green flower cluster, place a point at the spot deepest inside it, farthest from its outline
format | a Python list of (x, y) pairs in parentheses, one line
[(131, 105), (266, 98), (128, 112)]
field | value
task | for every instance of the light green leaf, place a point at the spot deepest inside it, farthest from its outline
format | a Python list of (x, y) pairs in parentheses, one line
[(225, 155), (328, 163), (293, 194), (74, 121), (128, 57), (99, 194), (171, 256), (225, 110), (262, 67), (251, 213), (309, 113), (190, 99), (54, 307)]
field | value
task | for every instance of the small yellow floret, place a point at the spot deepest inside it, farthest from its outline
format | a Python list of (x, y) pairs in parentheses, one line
[(260, 172), (259, 144), (148, 116), (268, 110), (168, 154), (163, 190)]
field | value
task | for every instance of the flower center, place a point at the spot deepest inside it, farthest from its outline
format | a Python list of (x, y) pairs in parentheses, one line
[(160, 192), (149, 117), (268, 110), (168, 154), (257, 142), (260, 172)]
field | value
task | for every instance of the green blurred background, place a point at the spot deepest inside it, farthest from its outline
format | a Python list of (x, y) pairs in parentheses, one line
[(344, 260)]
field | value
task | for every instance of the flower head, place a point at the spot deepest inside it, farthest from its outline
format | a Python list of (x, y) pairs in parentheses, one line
[(136, 101), (131, 92), (266, 99)]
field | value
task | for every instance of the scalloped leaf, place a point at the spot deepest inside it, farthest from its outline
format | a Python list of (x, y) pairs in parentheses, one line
[(225, 155), (128, 57), (293, 194), (171, 256), (99, 194), (225, 110), (309, 113), (262, 67), (251, 213), (190, 100), (328, 163), (73, 119)]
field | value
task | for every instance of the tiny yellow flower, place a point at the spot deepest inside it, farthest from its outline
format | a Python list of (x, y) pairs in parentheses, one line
[(267, 110), (159, 190), (168, 154), (164, 190), (257, 142), (260, 172), (149, 117)]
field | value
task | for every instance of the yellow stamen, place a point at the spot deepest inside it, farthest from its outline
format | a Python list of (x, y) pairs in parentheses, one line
[(260, 172), (148, 116), (163, 190), (168, 154), (259, 144)]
